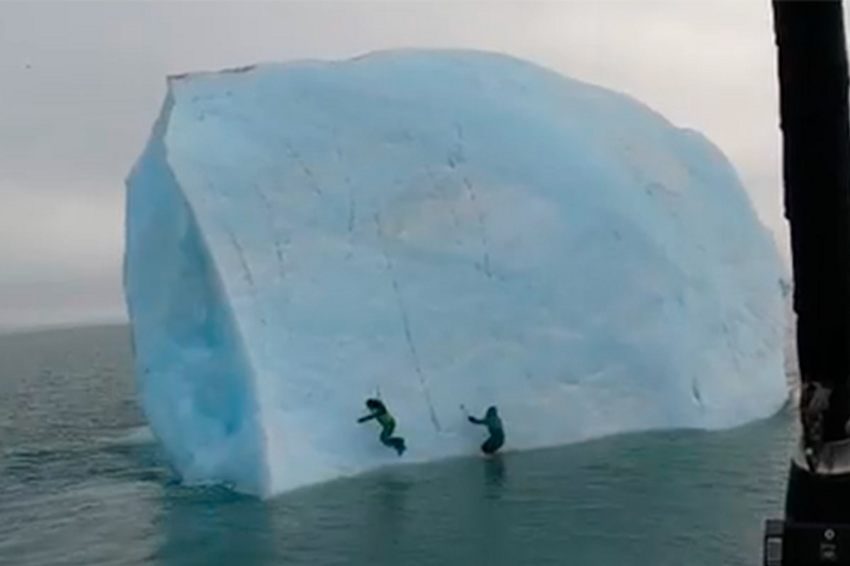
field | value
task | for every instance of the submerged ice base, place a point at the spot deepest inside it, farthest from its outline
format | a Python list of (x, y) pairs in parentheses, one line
[(441, 229)]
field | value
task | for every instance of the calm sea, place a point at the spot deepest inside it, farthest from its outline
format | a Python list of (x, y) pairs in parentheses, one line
[(82, 483)]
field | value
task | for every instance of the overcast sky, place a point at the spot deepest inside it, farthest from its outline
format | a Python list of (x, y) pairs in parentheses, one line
[(82, 82)]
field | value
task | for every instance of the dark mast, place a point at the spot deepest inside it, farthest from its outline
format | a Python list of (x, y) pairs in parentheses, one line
[(813, 81)]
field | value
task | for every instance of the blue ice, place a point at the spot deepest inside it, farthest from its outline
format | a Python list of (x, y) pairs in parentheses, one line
[(448, 230)]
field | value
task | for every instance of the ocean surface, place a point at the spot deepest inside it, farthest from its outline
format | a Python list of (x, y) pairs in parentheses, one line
[(81, 482)]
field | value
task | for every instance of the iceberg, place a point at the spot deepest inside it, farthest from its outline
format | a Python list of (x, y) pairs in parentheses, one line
[(446, 230)]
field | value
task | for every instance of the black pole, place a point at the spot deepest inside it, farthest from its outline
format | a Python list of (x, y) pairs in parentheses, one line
[(813, 83)]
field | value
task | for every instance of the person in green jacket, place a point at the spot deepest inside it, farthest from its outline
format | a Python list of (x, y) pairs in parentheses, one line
[(379, 412)]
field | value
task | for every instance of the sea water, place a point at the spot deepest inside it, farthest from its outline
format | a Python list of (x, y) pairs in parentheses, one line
[(81, 482)]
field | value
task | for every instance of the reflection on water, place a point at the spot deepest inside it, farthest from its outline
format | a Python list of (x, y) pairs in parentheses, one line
[(214, 526), (670, 498), (494, 475)]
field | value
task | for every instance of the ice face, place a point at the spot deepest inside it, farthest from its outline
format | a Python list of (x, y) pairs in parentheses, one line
[(446, 230)]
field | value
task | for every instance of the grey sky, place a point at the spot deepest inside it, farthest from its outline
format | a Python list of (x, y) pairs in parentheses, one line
[(81, 83)]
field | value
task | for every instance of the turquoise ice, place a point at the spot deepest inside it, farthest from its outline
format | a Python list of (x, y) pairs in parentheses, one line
[(444, 229)]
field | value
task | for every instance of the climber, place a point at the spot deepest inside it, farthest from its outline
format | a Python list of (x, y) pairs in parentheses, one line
[(377, 410), (494, 426)]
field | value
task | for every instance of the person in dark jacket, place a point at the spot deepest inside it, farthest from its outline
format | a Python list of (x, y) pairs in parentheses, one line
[(494, 426)]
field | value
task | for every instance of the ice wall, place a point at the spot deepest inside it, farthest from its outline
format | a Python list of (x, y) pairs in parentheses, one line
[(443, 228)]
